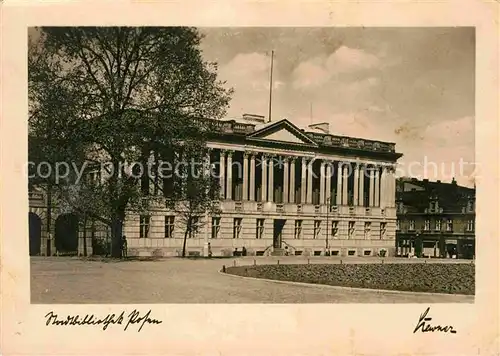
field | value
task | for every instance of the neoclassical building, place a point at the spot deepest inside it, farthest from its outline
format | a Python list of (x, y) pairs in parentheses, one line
[(284, 190)]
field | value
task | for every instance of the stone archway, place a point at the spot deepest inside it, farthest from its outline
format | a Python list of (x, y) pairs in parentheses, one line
[(66, 233), (35, 233)]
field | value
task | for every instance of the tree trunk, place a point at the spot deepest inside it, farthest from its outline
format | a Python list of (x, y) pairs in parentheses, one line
[(184, 244), (85, 236), (116, 237)]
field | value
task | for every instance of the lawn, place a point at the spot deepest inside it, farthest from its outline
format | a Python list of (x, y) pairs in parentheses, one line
[(432, 278)]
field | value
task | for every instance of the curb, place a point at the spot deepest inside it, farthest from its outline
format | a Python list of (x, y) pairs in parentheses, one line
[(318, 285)]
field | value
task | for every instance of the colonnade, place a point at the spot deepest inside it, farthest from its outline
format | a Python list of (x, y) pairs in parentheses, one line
[(372, 185)]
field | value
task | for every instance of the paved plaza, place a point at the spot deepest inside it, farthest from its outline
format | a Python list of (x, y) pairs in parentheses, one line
[(174, 280)]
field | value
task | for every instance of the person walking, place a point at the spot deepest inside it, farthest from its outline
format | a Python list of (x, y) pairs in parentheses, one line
[(124, 246)]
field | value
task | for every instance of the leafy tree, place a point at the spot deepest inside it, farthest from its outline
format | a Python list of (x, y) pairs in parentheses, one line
[(103, 98)]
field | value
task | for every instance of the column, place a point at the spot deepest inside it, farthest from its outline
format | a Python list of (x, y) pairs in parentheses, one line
[(344, 185), (264, 178), (292, 180), (322, 183), (372, 185), (361, 186), (303, 189), (392, 187), (222, 171), (383, 189), (328, 184), (339, 184), (270, 192), (309, 181), (245, 176), (229, 181), (252, 177), (356, 184), (286, 174), (377, 187)]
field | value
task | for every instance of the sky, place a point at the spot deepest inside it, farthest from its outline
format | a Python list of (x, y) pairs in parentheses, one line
[(411, 86)]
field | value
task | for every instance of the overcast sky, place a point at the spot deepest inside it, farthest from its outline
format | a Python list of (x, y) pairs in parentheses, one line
[(414, 87)]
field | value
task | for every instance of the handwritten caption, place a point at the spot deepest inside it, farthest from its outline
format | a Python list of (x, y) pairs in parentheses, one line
[(424, 325), (134, 318)]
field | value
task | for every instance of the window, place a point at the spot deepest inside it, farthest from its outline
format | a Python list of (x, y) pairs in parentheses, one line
[(298, 229), (317, 228), (352, 226), (169, 226), (383, 229), (412, 225), (368, 226), (433, 207), (215, 227), (259, 229), (398, 225), (449, 225), (335, 228), (144, 225), (437, 227), (470, 225), (195, 223), (236, 228), (427, 225)]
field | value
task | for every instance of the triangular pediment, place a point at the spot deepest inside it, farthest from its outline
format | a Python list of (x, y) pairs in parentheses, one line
[(282, 131)]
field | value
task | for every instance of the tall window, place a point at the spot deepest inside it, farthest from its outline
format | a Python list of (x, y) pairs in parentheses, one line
[(470, 225), (383, 229), (317, 228), (368, 226), (195, 223), (437, 227), (412, 225), (398, 225), (352, 227), (259, 229), (144, 225), (335, 229), (427, 225), (169, 226), (298, 229), (236, 228), (449, 225), (215, 227)]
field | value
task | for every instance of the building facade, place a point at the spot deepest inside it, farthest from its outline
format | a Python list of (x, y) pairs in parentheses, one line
[(435, 219), (284, 190)]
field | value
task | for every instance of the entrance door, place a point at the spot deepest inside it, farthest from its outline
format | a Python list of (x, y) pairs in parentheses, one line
[(66, 239), (35, 227), (277, 233)]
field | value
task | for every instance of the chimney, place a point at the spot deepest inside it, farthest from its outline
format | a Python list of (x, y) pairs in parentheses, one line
[(322, 126), (260, 119)]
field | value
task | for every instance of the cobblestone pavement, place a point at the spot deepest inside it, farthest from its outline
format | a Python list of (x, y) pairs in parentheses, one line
[(174, 280)]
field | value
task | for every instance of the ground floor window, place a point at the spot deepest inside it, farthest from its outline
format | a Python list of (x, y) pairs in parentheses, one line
[(144, 225), (259, 229), (169, 226), (352, 227), (368, 226), (237, 228), (195, 224), (215, 227), (317, 228), (298, 229), (383, 229), (335, 228)]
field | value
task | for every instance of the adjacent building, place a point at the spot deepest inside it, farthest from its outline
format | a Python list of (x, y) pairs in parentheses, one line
[(284, 190), (435, 219)]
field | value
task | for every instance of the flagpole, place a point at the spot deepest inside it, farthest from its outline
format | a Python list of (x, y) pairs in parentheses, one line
[(271, 86)]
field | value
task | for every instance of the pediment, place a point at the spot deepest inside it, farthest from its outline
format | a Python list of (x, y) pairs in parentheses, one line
[(283, 131)]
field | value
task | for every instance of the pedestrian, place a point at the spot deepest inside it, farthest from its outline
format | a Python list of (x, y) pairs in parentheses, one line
[(124, 246), (209, 250), (235, 253), (244, 251)]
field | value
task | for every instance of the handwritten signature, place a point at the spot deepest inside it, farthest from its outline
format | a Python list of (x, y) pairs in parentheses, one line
[(421, 325), (133, 318)]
